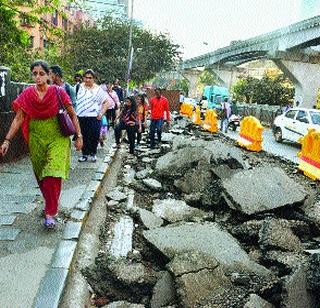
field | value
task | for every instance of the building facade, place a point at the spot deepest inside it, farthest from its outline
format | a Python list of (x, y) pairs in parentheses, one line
[(98, 8), (41, 37)]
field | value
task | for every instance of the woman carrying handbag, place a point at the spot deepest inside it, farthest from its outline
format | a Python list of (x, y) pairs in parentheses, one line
[(36, 110)]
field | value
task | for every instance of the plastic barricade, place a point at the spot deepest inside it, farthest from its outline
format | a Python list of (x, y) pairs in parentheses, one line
[(309, 156), (196, 118), (250, 136), (186, 110), (210, 122)]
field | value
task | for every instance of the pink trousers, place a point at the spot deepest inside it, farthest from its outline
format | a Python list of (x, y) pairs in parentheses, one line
[(51, 190)]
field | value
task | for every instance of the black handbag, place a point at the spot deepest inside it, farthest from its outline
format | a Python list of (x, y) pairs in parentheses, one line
[(65, 123)]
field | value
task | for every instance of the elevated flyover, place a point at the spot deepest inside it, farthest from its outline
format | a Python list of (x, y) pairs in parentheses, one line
[(288, 47)]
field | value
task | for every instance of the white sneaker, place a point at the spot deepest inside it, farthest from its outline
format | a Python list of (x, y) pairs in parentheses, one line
[(83, 159), (93, 158)]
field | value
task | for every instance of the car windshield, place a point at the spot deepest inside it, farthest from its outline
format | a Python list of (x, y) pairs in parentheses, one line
[(315, 117)]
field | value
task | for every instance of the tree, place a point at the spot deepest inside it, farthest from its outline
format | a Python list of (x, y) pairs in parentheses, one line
[(14, 41), (276, 90), (104, 48), (206, 78), (244, 89)]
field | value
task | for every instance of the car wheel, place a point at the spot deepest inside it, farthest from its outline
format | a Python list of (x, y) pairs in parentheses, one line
[(278, 135)]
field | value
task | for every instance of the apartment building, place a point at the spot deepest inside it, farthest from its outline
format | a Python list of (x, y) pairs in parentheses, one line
[(40, 37)]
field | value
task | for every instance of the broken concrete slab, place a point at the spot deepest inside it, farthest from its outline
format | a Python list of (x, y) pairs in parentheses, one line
[(176, 210), (167, 137), (131, 273), (152, 184), (191, 262), (290, 260), (199, 182), (295, 291), (143, 173), (121, 243), (177, 163), (164, 292), (313, 213), (275, 233), (147, 160), (255, 301), (123, 304), (193, 288), (207, 238), (116, 195), (260, 182), (248, 231), (150, 220)]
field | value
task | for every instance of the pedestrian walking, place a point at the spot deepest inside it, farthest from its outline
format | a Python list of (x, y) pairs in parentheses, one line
[(225, 115), (113, 102), (159, 110), (127, 121), (36, 112), (92, 103), (56, 76), (141, 116), (117, 88)]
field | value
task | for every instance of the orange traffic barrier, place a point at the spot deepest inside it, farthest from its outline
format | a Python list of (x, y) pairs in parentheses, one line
[(186, 110), (210, 121), (309, 156), (251, 134), (196, 118)]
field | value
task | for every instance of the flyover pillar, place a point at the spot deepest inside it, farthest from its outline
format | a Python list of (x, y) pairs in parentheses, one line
[(192, 76), (306, 79), (226, 77)]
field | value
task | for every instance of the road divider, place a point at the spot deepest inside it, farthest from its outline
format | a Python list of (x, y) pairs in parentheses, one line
[(309, 156), (250, 136), (210, 122), (196, 117), (186, 110)]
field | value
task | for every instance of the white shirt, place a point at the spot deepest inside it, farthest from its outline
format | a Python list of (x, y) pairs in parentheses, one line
[(89, 101)]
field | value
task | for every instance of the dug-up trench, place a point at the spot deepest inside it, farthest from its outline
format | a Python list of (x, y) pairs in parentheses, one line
[(200, 222)]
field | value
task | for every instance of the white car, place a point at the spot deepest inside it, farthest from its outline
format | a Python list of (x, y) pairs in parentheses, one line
[(294, 124)]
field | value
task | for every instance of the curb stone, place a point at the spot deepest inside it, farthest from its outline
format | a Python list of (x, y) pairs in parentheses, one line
[(53, 284)]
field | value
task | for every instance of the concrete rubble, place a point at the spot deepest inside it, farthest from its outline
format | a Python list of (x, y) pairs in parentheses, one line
[(249, 190), (212, 226)]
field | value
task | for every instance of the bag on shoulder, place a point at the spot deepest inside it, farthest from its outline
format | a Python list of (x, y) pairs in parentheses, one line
[(65, 123)]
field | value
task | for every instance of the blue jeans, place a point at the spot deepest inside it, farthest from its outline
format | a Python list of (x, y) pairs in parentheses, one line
[(156, 125), (224, 125)]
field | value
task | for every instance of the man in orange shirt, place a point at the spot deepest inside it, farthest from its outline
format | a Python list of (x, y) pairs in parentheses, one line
[(158, 106)]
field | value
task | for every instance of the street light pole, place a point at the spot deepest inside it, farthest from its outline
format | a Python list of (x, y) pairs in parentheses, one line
[(130, 49)]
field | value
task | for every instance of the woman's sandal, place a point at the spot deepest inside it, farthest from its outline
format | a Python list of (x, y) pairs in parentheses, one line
[(50, 223)]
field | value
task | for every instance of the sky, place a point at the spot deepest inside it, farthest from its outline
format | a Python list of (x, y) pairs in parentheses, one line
[(201, 26)]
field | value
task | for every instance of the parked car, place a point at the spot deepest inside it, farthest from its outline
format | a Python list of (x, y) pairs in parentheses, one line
[(294, 124)]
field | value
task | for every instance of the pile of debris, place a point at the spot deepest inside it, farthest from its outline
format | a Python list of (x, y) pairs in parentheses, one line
[(202, 223)]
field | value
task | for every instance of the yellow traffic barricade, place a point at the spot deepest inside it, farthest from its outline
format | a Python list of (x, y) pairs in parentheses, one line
[(210, 122), (250, 136), (309, 156), (196, 118)]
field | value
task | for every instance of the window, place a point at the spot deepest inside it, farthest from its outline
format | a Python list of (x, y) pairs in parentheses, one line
[(31, 41), (291, 114), (302, 117), (55, 18)]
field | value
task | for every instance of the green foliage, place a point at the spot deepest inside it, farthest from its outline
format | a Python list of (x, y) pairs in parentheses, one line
[(206, 78), (269, 90), (14, 42), (104, 48)]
